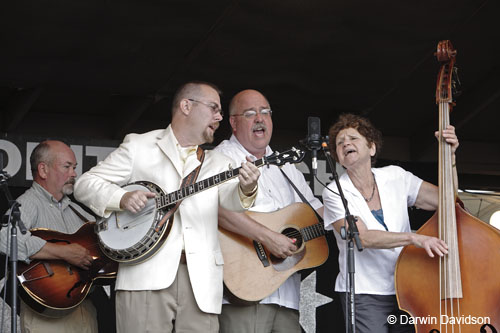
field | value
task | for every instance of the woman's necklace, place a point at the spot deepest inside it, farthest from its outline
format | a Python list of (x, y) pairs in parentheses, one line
[(373, 191)]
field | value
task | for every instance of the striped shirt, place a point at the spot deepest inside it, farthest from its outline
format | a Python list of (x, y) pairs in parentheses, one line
[(39, 209)]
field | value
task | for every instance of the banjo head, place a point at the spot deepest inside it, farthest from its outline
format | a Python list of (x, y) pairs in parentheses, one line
[(127, 237)]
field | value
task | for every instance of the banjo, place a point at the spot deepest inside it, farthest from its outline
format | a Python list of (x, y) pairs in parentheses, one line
[(133, 238)]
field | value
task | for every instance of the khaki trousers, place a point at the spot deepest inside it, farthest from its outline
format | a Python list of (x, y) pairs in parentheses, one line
[(82, 320), (258, 318), (173, 309)]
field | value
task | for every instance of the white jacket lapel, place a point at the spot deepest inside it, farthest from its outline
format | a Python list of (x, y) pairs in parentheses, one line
[(167, 143)]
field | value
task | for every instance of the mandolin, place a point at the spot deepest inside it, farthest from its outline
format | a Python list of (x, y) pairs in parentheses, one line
[(54, 288)]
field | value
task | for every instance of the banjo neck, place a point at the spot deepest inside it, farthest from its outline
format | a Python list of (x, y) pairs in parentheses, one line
[(162, 201), (133, 238)]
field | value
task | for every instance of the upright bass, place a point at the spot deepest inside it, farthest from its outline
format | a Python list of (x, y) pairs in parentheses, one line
[(459, 292)]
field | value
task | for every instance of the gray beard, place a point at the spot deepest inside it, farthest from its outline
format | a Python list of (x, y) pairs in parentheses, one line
[(67, 189)]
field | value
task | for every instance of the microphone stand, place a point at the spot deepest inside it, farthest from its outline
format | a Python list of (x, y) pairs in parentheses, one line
[(14, 220), (352, 235)]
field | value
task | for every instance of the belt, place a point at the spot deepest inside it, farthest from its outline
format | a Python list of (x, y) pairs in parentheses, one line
[(183, 258)]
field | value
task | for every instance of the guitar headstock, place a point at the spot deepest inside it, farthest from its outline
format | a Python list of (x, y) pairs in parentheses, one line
[(292, 155)]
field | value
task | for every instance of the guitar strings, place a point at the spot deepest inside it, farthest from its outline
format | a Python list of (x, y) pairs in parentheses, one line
[(294, 234)]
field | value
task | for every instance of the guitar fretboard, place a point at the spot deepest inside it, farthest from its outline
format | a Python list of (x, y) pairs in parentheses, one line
[(312, 232), (163, 201)]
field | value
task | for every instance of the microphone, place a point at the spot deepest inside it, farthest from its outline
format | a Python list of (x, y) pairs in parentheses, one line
[(313, 140)]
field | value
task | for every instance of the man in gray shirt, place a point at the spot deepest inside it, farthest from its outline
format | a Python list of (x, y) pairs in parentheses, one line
[(46, 205)]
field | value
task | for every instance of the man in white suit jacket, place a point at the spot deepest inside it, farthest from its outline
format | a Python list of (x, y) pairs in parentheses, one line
[(180, 287)]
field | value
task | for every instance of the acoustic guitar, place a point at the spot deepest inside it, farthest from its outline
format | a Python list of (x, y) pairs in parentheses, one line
[(251, 273), (54, 288)]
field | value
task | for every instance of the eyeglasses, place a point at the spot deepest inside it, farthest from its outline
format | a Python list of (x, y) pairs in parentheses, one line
[(250, 114), (215, 108)]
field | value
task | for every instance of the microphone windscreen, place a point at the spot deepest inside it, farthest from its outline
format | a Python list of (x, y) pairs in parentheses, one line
[(313, 129)]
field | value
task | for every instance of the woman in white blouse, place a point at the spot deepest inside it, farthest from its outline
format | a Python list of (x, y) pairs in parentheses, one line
[(379, 198)]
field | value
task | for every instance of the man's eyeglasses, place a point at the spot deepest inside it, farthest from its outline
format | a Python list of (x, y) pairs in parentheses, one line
[(250, 114), (215, 108)]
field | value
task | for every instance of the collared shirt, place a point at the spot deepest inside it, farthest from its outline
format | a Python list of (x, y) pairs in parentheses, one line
[(189, 152), (398, 190), (274, 193), (39, 209), (185, 152)]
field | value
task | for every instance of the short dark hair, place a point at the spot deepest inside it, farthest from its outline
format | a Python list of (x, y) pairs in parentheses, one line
[(189, 89), (40, 154), (362, 125)]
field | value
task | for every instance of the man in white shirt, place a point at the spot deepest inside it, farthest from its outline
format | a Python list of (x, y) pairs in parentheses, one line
[(252, 126)]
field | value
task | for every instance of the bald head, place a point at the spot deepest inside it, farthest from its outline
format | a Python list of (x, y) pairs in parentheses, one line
[(243, 98), (252, 131)]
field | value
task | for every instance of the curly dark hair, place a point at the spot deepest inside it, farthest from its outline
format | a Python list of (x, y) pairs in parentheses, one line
[(362, 125)]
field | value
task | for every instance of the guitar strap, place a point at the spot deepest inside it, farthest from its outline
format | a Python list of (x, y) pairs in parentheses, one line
[(188, 180), (83, 218), (304, 200)]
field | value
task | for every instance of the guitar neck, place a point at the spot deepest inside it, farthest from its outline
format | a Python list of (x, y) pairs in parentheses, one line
[(163, 201), (312, 232)]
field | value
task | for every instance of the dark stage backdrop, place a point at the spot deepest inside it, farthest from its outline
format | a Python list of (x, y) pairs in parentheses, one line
[(320, 307)]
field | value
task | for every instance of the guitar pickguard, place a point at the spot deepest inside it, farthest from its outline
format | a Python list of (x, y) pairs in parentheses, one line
[(284, 264)]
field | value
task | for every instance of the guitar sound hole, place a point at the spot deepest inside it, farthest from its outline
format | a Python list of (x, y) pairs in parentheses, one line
[(290, 233), (293, 233)]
